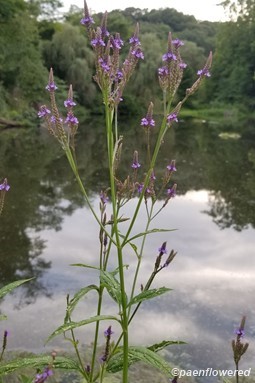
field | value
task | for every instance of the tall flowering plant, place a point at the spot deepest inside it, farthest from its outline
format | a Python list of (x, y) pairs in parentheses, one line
[(112, 73)]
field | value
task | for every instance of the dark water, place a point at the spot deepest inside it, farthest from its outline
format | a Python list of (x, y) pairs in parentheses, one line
[(46, 226)]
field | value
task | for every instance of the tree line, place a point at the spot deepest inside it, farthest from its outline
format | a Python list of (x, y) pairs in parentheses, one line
[(34, 37)]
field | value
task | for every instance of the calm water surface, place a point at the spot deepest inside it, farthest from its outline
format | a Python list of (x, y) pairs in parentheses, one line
[(46, 227)]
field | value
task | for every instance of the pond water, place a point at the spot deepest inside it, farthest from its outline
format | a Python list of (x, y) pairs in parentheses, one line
[(46, 227)]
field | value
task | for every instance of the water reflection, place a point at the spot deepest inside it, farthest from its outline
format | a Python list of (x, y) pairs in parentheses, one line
[(45, 227)]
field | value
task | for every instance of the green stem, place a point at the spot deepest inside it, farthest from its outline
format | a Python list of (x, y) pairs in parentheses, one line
[(124, 317), (140, 256), (77, 176), (99, 306)]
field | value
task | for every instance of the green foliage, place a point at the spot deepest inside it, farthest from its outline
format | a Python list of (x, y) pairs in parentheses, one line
[(39, 361), (148, 294), (11, 286), (136, 354)]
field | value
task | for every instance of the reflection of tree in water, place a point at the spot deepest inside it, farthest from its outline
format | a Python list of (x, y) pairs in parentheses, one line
[(43, 189), (39, 198)]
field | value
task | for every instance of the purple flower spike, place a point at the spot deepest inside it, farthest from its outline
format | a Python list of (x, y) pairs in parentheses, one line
[(239, 332), (140, 188), (4, 186), (172, 117), (97, 42), (116, 43), (163, 71), (104, 65), (71, 120), (171, 192), (51, 87), (69, 103), (135, 165), (138, 53), (134, 40), (43, 111), (177, 43), (204, 72), (163, 249), (108, 332), (147, 122), (182, 65), (171, 167), (87, 21), (169, 57)]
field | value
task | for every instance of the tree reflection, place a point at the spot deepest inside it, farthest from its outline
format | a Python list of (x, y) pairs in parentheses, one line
[(43, 189)]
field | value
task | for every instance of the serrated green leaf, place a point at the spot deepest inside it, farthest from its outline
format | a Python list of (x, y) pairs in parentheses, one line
[(11, 286), (142, 234), (39, 361), (112, 285), (73, 302), (148, 294), (142, 354), (72, 325), (160, 346)]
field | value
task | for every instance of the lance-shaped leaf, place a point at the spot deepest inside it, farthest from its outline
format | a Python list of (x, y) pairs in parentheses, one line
[(160, 346), (80, 294), (39, 361), (136, 354), (152, 231), (148, 294), (84, 265), (112, 285), (72, 325), (11, 286)]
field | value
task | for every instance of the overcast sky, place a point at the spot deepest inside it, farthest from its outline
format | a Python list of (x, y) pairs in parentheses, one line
[(201, 9)]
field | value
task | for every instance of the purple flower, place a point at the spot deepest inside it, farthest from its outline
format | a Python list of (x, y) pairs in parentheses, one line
[(108, 332), (135, 165), (177, 43), (41, 378), (97, 42), (204, 72), (171, 192), (4, 186), (140, 188), (163, 71), (163, 249), (54, 120), (239, 332), (104, 65), (104, 32), (43, 111), (182, 65), (134, 40), (147, 121), (169, 56), (71, 119), (171, 167), (103, 197), (116, 43), (51, 87), (172, 117), (119, 75), (87, 21), (6, 333), (138, 53), (69, 103)]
